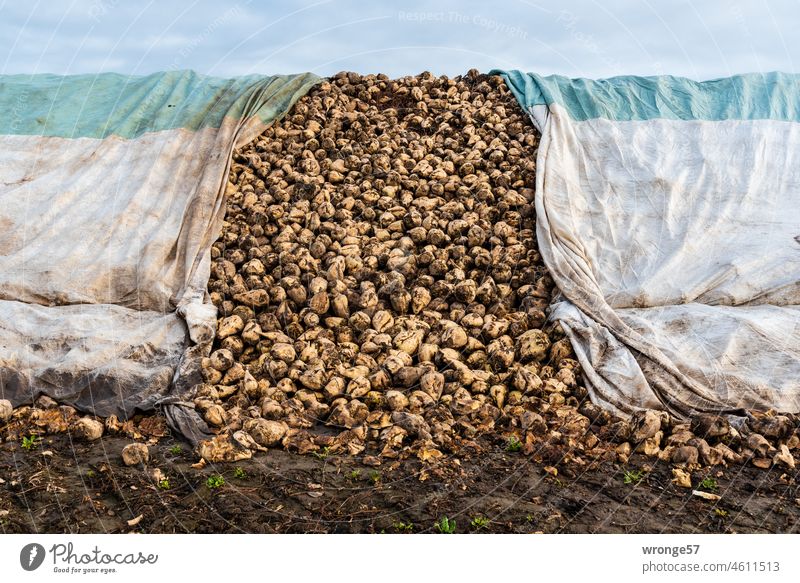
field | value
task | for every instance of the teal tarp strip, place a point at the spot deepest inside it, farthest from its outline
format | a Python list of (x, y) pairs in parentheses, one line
[(774, 96), (97, 106)]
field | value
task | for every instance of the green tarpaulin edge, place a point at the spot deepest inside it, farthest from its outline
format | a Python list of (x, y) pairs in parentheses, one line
[(749, 96), (99, 106)]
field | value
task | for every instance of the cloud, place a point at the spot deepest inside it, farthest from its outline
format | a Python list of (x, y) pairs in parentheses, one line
[(573, 37)]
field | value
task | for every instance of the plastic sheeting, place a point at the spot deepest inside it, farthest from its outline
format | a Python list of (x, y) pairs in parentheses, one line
[(111, 195), (668, 212)]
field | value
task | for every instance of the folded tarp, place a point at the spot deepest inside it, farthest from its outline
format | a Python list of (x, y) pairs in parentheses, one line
[(668, 212), (111, 195)]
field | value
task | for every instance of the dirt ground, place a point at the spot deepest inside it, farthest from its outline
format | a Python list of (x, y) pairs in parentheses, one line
[(64, 485)]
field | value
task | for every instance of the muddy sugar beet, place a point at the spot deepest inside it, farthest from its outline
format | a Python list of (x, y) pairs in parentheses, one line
[(378, 257)]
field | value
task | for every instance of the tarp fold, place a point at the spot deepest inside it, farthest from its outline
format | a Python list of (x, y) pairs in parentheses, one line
[(668, 213), (111, 195)]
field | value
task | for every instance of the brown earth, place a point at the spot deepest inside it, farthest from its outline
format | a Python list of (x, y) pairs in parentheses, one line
[(65, 485)]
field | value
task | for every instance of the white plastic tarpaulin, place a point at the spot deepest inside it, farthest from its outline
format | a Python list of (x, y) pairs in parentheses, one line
[(111, 195), (669, 217)]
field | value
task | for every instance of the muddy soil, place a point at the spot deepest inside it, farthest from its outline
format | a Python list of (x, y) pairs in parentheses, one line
[(64, 485)]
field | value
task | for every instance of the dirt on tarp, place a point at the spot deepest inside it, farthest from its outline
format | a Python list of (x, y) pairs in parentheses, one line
[(62, 484)]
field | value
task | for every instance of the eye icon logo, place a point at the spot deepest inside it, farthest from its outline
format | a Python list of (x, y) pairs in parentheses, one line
[(31, 556)]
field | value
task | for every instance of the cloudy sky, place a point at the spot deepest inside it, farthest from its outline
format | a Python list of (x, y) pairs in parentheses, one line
[(700, 38)]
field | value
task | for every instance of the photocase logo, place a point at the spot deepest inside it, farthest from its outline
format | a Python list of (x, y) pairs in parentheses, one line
[(31, 556)]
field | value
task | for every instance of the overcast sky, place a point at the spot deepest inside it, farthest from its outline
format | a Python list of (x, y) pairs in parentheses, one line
[(700, 39)]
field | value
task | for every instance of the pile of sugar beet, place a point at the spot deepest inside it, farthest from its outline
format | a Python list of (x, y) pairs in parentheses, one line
[(378, 276), (380, 294)]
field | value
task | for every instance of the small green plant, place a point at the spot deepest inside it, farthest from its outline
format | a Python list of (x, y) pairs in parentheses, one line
[(445, 525), (322, 454), (709, 484), (375, 476), (479, 522), (633, 476), (176, 450), (215, 481), (513, 444), (239, 473), (354, 475), (529, 518), (164, 484), (31, 442), (90, 474), (403, 526), (720, 512)]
